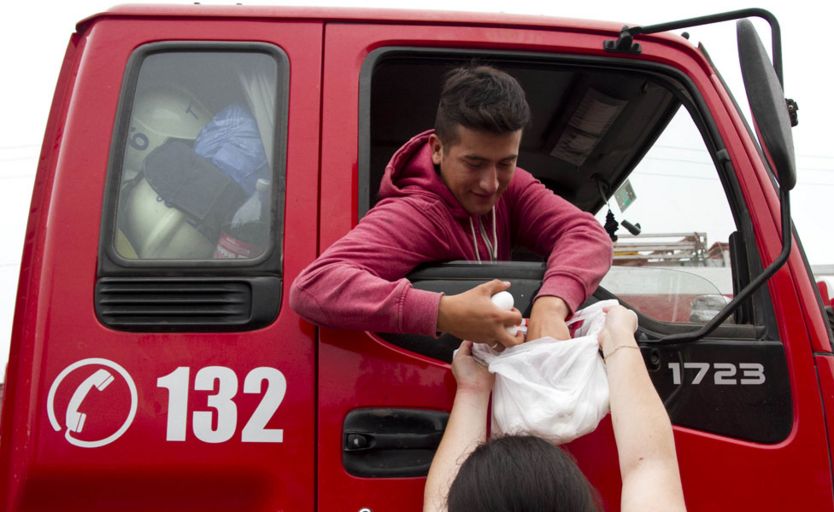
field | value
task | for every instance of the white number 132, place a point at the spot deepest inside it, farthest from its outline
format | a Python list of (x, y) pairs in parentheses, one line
[(224, 381)]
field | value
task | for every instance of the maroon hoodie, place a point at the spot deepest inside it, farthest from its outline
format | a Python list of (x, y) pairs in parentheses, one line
[(358, 282)]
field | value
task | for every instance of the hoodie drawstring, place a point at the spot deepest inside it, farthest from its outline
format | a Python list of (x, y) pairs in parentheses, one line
[(491, 247), (474, 240)]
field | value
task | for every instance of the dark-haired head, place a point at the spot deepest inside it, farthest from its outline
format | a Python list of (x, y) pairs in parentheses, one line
[(521, 473), (480, 98)]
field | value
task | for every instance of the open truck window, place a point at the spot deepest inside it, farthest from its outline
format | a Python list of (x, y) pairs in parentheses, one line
[(609, 138)]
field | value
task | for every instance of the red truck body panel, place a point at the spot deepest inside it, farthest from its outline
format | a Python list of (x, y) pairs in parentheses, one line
[(753, 467), (41, 471), (328, 372)]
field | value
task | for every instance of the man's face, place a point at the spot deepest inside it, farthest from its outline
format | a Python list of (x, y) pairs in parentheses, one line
[(478, 167)]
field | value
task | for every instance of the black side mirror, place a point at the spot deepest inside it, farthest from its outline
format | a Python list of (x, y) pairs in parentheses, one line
[(767, 103)]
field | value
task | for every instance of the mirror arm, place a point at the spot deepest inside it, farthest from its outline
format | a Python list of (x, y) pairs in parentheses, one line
[(751, 287), (626, 40)]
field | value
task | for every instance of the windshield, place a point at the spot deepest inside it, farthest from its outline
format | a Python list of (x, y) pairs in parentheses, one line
[(672, 294)]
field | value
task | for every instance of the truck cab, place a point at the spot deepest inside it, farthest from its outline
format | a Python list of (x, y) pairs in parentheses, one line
[(197, 158)]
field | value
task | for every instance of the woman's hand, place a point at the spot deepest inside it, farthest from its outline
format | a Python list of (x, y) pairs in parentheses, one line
[(469, 373), (620, 325), (619, 317)]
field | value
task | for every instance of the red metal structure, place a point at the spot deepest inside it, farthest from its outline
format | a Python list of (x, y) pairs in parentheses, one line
[(251, 416)]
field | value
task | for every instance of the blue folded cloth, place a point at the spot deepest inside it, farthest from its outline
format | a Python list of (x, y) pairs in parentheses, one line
[(232, 142)]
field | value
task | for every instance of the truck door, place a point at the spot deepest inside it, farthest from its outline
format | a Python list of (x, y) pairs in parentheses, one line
[(155, 363), (744, 400)]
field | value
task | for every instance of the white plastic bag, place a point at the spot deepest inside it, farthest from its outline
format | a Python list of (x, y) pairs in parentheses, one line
[(554, 389)]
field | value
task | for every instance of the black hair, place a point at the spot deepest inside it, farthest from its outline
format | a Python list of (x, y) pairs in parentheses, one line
[(480, 98), (521, 473)]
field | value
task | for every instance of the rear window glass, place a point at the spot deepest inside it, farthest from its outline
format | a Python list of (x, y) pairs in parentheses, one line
[(199, 176)]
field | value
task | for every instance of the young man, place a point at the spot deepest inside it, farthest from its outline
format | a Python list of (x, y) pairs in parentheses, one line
[(450, 194)]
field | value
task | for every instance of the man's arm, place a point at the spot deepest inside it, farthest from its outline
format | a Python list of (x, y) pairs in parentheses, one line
[(358, 283), (578, 251)]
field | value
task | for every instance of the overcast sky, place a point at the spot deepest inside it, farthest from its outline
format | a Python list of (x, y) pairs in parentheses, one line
[(35, 35)]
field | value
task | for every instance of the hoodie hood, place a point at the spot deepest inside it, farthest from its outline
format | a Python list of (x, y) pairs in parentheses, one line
[(411, 172)]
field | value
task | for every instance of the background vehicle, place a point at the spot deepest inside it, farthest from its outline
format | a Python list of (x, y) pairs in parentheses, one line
[(222, 398)]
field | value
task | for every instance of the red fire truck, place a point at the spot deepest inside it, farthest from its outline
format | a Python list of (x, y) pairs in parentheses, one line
[(197, 158)]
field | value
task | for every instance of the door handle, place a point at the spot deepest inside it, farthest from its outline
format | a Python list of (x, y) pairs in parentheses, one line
[(359, 441), (390, 443)]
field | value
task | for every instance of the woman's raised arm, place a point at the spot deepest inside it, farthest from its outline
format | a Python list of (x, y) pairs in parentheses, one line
[(645, 444)]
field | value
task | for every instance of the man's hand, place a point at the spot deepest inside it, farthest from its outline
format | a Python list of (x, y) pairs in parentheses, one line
[(471, 315), (548, 319)]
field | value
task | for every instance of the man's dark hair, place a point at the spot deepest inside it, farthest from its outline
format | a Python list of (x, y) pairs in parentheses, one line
[(480, 98), (521, 473)]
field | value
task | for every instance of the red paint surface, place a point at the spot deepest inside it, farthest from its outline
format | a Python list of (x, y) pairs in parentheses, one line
[(718, 473), (56, 324), (327, 377)]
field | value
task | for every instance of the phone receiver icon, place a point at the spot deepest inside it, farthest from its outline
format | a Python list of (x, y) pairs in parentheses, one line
[(100, 379)]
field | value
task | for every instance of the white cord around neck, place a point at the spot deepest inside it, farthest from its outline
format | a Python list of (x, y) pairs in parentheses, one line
[(492, 246), (474, 240)]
